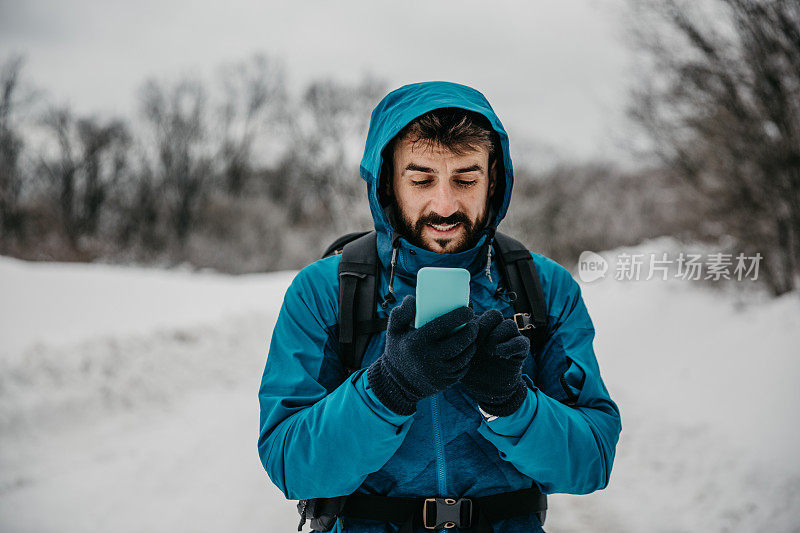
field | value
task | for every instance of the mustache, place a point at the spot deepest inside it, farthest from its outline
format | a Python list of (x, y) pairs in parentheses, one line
[(433, 218)]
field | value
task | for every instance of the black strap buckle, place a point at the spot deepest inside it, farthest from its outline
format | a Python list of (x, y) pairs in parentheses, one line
[(446, 513), (523, 321), (322, 512)]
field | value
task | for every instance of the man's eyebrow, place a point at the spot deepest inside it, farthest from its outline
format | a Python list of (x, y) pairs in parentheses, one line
[(413, 167), (417, 168), (471, 168)]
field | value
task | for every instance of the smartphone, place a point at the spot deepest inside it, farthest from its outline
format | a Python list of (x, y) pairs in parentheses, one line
[(440, 290)]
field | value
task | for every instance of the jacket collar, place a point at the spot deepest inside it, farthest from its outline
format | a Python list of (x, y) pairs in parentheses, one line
[(411, 258)]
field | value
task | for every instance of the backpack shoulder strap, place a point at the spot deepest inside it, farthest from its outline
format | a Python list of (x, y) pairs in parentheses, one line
[(523, 280), (337, 245), (358, 290)]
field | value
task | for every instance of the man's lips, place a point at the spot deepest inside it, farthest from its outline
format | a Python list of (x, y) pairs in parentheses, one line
[(444, 229)]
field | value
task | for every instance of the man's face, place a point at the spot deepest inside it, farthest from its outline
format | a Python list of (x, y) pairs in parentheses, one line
[(441, 197)]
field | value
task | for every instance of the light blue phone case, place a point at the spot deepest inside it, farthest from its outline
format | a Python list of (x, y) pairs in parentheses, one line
[(440, 290)]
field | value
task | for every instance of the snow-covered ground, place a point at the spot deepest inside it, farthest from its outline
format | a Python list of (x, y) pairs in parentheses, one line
[(128, 402)]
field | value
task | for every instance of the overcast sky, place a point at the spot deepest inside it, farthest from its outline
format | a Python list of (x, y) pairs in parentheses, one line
[(555, 71)]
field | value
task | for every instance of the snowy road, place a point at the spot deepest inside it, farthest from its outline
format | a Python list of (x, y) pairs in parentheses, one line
[(141, 415), (172, 461)]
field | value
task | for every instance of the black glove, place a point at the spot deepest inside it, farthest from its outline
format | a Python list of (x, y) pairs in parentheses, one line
[(494, 378), (418, 363)]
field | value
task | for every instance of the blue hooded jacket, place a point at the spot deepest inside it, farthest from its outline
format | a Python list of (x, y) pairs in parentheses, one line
[(322, 435)]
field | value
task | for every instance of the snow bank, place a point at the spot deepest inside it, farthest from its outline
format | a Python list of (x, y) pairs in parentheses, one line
[(54, 304), (708, 382), (128, 399), (81, 338)]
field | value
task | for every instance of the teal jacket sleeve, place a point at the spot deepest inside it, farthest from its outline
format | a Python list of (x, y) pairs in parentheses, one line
[(308, 418), (567, 447)]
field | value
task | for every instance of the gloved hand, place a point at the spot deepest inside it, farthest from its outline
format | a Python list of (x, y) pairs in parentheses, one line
[(418, 363), (494, 378)]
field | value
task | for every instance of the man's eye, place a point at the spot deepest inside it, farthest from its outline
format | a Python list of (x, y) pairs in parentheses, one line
[(466, 183), (420, 182)]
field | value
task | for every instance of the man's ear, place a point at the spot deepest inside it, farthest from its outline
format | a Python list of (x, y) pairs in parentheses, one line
[(492, 178)]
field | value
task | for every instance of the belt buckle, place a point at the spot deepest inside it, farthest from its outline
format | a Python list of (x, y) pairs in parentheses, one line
[(523, 321), (447, 513)]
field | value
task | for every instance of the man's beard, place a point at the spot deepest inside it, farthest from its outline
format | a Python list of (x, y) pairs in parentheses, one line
[(412, 231)]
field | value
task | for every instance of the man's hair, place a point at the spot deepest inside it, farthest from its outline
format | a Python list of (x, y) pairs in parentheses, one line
[(451, 128)]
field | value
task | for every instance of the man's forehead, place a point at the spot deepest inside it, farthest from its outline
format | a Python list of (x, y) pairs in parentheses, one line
[(406, 149)]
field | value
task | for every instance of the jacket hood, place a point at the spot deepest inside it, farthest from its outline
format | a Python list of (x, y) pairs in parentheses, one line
[(401, 258), (403, 105)]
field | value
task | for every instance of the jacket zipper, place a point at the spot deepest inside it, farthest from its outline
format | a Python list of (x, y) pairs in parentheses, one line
[(441, 468)]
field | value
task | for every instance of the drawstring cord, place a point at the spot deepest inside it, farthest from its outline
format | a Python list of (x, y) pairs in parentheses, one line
[(489, 239), (390, 297), (488, 270), (501, 292)]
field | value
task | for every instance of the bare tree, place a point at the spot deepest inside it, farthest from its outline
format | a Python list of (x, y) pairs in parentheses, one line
[(254, 96), (242, 179), (87, 161), (11, 145), (721, 105), (597, 206), (180, 155), (327, 135), (104, 161), (140, 213)]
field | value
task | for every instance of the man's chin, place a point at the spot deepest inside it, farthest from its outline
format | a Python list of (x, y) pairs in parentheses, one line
[(433, 241)]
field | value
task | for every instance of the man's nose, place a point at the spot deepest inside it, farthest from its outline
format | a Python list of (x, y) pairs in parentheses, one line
[(444, 202)]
